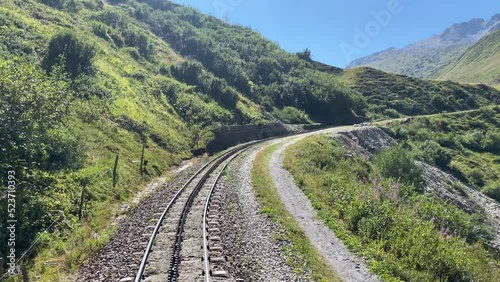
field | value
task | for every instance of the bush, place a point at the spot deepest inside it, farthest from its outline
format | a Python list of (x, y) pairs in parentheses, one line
[(432, 152), (491, 141), (292, 115), (397, 163), (77, 55), (476, 177), (493, 190), (392, 113), (33, 107), (100, 30), (58, 4), (473, 140), (141, 41)]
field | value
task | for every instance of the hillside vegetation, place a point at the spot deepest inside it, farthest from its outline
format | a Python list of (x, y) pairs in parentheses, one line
[(85, 81), (467, 145), (378, 208), (393, 95), (478, 64)]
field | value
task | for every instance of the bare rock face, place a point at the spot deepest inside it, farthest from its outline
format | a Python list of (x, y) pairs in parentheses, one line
[(372, 139), (453, 191)]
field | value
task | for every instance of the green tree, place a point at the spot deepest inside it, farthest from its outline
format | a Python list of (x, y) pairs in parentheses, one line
[(32, 105), (305, 55)]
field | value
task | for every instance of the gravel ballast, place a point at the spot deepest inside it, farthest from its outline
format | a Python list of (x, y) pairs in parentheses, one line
[(121, 256), (247, 234)]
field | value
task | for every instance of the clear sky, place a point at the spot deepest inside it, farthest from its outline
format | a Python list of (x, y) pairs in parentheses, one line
[(332, 29)]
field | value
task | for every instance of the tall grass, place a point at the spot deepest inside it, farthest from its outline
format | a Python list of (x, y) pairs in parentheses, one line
[(404, 234)]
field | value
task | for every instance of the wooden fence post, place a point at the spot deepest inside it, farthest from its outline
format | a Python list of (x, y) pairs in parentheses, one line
[(114, 171), (82, 197), (142, 160), (24, 271)]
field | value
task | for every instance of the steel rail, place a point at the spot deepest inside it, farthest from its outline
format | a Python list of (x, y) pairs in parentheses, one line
[(206, 261), (144, 261), (213, 165), (173, 272)]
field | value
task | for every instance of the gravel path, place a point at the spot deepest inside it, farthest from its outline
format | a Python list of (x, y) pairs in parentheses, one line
[(248, 235), (346, 264)]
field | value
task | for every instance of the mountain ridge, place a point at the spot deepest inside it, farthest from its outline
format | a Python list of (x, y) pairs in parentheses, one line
[(478, 64), (424, 58)]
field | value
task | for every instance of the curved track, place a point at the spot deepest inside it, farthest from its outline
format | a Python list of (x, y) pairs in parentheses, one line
[(208, 175)]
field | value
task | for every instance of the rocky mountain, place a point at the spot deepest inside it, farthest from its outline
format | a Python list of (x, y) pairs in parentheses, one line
[(425, 58)]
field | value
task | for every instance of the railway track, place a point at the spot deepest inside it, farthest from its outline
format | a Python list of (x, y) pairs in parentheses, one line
[(189, 228)]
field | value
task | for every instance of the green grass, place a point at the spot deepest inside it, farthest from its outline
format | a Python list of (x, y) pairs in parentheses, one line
[(403, 234), (308, 255), (462, 144), (478, 64)]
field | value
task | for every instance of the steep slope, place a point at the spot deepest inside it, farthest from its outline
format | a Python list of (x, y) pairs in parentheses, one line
[(478, 64), (86, 82), (425, 58), (393, 95)]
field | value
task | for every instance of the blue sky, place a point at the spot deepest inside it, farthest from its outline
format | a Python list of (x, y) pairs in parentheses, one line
[(337, 31)]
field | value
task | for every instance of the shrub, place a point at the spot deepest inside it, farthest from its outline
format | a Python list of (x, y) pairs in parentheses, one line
[(491, 141), (292, 115), (492, 190), (473, 140), (433, 152), (58, 4), (392, 113), (33, 107), (100, 30), (141, 41), (397, 163), (76, 54), (476, 177)]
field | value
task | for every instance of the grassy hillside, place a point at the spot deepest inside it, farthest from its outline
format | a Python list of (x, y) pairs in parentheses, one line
[(468, 145), (478, 64), (82, 81), (378, 208), (392, 95)]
